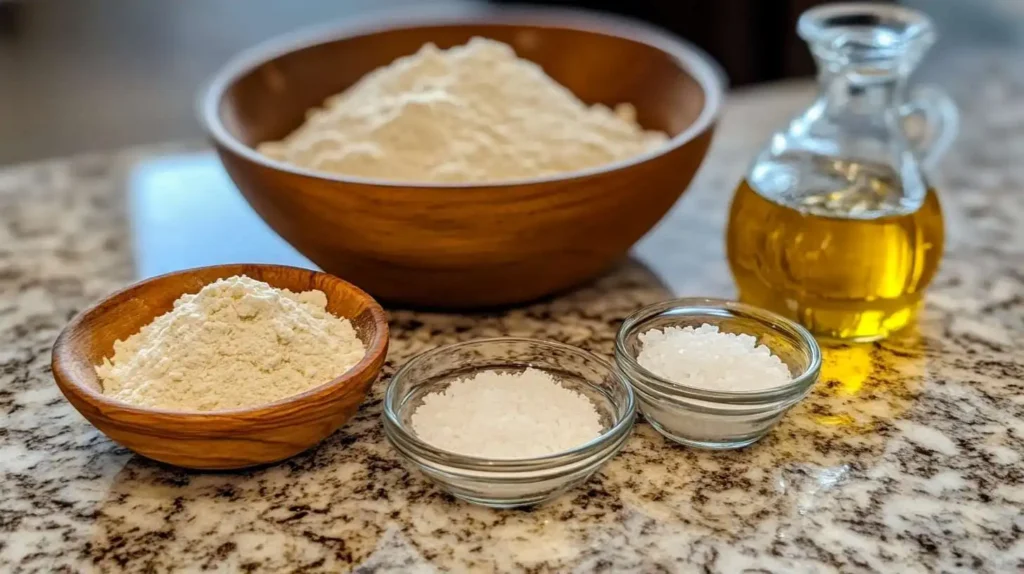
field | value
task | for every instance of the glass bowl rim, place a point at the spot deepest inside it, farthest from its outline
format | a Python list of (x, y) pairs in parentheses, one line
[(721, 307), (554, 461)]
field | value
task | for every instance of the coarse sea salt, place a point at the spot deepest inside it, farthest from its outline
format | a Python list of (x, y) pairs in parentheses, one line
[(506, 415), (705, 358)]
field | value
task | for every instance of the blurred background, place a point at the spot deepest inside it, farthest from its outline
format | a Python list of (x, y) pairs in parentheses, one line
[(88, 75)]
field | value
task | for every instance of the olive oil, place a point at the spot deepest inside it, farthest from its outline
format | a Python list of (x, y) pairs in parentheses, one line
[(835, 224), (847, 252)]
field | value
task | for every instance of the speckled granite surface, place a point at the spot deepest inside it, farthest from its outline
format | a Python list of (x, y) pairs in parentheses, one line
[(908, 457)]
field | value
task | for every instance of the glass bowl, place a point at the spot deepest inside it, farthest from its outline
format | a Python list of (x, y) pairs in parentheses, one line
[(509, 483), (717, 419)]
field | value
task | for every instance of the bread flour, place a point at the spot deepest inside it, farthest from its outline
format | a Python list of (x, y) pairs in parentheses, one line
[(473, 113), (237, 343)]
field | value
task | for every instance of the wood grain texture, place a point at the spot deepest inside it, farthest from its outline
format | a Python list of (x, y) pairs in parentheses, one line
[(467, 246), (225, 439)]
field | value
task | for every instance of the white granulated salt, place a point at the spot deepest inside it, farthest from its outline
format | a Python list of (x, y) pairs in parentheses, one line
[(708, 359), (501, 415), (236, 343), (473, 113)]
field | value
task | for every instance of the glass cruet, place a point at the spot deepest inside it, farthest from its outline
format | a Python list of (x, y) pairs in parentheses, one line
[(835, 224)]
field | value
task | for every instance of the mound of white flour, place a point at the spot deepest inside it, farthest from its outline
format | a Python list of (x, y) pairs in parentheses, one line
[(474, 113), (237, 343)]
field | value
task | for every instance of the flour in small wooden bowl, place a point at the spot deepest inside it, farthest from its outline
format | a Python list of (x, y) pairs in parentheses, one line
[(236, 343), (473, 113)]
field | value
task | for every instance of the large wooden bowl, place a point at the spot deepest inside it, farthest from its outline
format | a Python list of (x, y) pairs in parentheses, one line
[(225, 439), (464, 246)]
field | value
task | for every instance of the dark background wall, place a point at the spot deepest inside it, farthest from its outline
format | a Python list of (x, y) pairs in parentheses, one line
[(753, 40), (83, 75)]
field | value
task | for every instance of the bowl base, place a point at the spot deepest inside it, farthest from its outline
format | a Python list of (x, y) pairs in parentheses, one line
[(705, 445), (525, 500), (501, 504)]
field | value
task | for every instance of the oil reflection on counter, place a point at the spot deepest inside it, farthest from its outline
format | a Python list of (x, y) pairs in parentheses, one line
[(864, 387), (814, 462)]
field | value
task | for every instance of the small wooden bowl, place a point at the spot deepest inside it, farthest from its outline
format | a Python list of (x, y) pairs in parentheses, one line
[(225, 439), (471, 245)]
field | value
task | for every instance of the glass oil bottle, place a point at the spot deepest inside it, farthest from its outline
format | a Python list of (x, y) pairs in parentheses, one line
[(835, 224)]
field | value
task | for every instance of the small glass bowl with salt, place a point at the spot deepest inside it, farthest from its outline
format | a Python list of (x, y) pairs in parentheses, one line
[(715, 374), (508, 422)]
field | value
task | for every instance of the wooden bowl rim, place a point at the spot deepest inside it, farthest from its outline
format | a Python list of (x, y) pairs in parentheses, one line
[(64, 353), (696, 62)]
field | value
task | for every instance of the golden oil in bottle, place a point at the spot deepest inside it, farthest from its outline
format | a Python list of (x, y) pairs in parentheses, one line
[(846, 252)]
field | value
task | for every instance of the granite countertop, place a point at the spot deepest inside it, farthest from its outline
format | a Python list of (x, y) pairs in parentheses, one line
[(907, 457)]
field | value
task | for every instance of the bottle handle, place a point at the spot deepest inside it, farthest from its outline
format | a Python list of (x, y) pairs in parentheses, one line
[(941, 122)]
